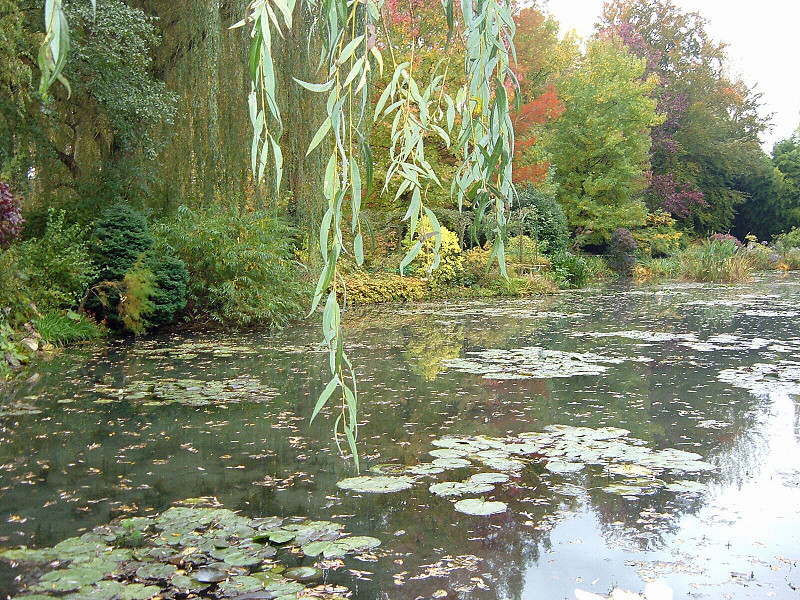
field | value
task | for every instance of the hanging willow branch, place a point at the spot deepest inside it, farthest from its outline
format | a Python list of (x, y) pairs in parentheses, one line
[(350, 32), (55, 47), (485, 136)]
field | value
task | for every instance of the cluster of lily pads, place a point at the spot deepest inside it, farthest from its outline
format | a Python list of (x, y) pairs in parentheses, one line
[(765, 378), (189, 392), (195, 548), (629, 467), (533, 362)]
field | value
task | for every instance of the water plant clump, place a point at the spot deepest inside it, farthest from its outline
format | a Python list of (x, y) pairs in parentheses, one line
[(195, 548), (531, 362)]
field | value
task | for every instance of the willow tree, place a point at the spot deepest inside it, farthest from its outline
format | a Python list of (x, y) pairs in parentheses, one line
[(474, 119)]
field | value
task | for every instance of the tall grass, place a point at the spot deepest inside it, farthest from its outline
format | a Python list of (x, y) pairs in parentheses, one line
[(716, 261)]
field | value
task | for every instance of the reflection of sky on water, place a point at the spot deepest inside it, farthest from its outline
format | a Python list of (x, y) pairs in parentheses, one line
[(734, 546)]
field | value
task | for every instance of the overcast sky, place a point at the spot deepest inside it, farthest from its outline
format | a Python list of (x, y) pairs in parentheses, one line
[(762, 39)]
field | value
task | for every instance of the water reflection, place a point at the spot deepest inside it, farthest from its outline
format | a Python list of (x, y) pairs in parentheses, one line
[(104, 445)]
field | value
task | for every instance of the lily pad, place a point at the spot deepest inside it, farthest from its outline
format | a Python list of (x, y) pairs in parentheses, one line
[(459, 488), (425, 469), (376, 485), (480, 507), (240, 584), (451, 463), (156, 571), (488, 478), (448, 453), (210, 575), (138, 591), (302, 573)]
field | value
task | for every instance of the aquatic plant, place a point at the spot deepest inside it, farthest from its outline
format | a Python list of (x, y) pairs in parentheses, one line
[(716, 261), (68, 327), (195, 547)]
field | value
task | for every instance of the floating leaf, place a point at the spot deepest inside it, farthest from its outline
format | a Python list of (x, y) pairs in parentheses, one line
[(451, 463), (302, 573), (460, 488), (479, 507), (376, 485), (488, 478)]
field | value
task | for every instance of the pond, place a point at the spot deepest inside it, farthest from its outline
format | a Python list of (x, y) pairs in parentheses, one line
[(634, 433)]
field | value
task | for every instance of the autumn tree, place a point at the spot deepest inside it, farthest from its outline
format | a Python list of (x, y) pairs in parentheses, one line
[(600, 144), (709, 133)]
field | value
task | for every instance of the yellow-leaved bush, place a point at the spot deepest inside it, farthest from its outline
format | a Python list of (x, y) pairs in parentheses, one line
[(375, 288), (451, 260)]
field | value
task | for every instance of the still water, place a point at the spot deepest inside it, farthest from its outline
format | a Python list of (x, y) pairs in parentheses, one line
[(707, 370)]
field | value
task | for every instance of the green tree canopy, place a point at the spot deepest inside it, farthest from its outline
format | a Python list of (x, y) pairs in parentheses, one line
[(600, 144)]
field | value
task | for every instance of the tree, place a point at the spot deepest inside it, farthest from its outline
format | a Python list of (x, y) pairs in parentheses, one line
[(711, 124), (92, 141), (600, 144)]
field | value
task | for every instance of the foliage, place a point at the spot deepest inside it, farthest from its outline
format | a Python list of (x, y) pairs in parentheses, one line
[(621, 255), (136, 289), (10, 215), (724, 238), (762, 257), (600, 144), (241, 268), (716, 261), (451, 261), (570, 270), (658, 237), (65, 327), (14, 292), (708, 140), (12, 353), (790, 239), (541, 216), (56, 268), (170, 279), (121, 237), (93, 142), (377, 288)]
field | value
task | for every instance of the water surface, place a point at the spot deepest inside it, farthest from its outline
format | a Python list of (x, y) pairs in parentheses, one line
[(129, 427)]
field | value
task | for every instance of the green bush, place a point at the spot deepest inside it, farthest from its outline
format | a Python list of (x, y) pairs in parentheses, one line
[(570, 270), (67, 327), (241, 266), (121, 238), (56, 269), (137, 288), (790, 239), (542, 217), (170, 280)]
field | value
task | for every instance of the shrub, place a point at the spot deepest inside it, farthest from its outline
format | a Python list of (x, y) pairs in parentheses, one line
[(451, 260), (761, 257), (716, 261), (570, 270), (542, 218), (121, 237), (658, 237), (725, 237), (57, 268), (170, 279), (137, 288), (241, 268), (363, 288), (66, 327), (790, 239), (10, 216), (621, 257)]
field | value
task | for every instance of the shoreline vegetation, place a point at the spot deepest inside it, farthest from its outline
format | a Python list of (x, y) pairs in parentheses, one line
[(38, 321)]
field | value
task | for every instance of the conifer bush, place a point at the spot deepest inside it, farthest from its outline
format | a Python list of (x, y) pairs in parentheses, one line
[(546, 221)]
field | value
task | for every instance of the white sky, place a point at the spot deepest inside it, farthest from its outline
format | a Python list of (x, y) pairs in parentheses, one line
[(762, 39)]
